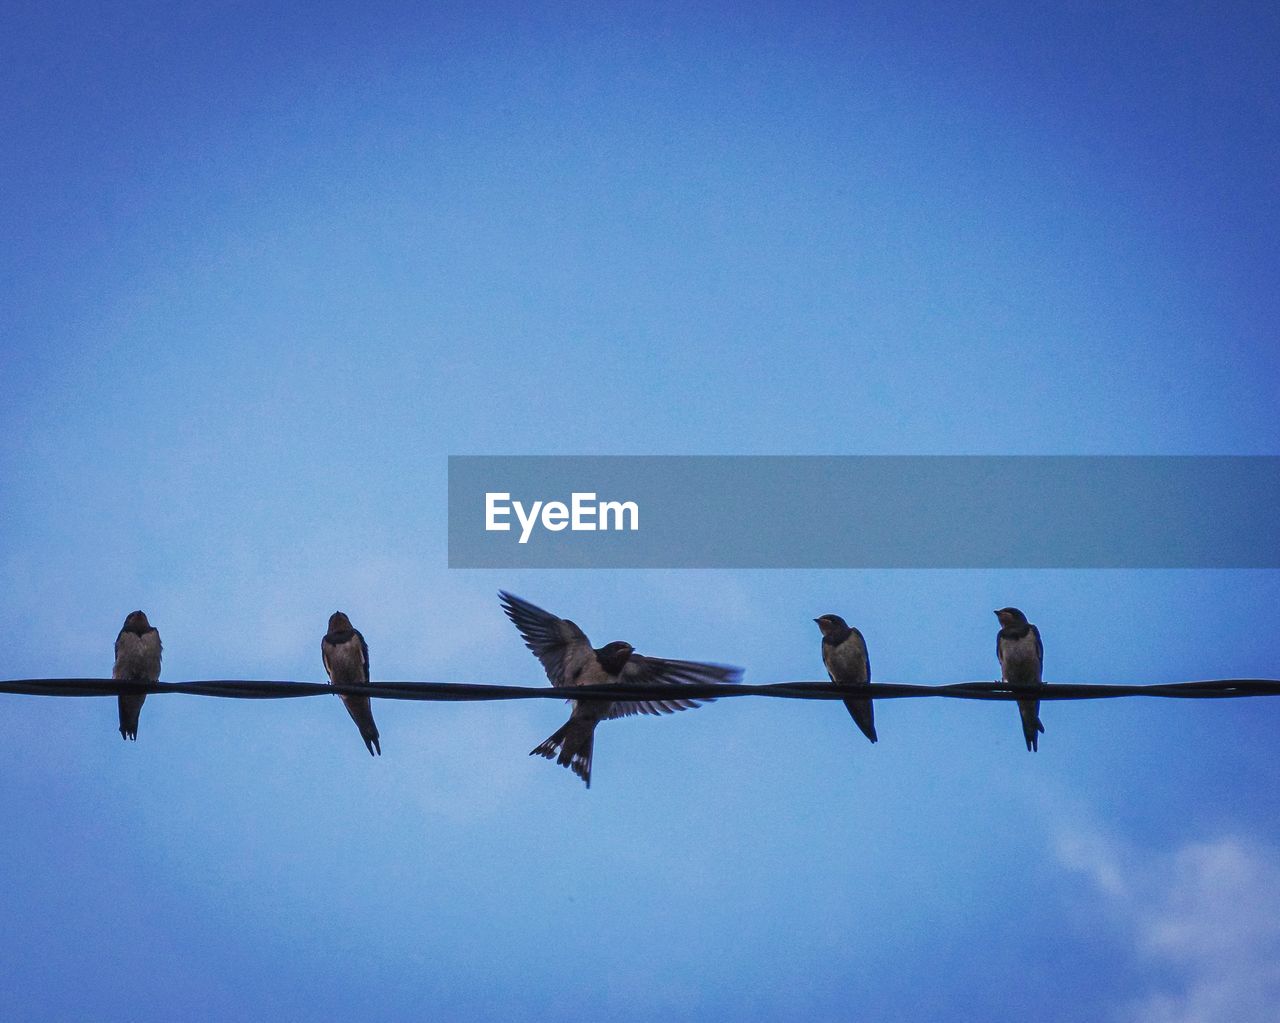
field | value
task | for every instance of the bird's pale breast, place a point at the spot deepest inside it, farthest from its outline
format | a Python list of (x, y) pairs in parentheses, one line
[(137, 657), (346, 662), (847, 662), (1020, 660), (592, 673)]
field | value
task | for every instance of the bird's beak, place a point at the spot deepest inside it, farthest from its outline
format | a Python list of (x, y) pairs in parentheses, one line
[(817, 621)]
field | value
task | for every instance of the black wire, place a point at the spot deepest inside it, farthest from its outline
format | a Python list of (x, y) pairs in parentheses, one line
[(247, 689)]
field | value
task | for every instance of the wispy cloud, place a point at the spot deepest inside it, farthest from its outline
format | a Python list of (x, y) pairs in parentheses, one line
[(1203, 918)]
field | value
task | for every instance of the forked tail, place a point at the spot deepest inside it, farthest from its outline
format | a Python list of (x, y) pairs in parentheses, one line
[(570, 746), (130, 709), (362, 714), (863, 715), (1031, 725)]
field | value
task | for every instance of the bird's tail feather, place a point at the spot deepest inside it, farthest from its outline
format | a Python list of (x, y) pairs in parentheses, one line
[(130, 709), (570, 746), (863, 716), (1032, 727), (362, 714)]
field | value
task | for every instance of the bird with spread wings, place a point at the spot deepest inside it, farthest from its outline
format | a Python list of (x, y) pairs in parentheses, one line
[(569, 659)]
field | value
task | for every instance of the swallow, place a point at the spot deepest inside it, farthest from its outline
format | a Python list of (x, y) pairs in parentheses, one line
[(844, 653), (137, 660), (569, 659), (346, 662), (1021, 656)]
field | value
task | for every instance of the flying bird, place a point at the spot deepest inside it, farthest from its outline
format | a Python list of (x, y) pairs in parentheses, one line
[(346, 661), (569, 660), (844, 653), (1021, 657), (137, 660)]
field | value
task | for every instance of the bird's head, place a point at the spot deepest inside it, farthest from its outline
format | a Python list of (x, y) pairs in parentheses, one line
[(1011, 616), (830, 624), (137, 622), (614, 656), (339, 622)]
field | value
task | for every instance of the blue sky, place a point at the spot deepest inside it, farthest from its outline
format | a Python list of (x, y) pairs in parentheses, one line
[(264, 269)]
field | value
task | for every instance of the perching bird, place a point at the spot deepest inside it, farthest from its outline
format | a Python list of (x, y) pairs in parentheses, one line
[(844, 653), (346, 661), (569, 660), (137, 660), (1021, 657)]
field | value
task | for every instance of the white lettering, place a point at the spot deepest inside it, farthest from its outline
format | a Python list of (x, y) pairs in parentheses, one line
[(492, 509), (583, 514), (618, 507), (582, 511), (526, 523), (555, 516)]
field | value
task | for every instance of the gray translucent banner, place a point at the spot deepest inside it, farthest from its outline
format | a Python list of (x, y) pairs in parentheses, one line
[(864, 512)]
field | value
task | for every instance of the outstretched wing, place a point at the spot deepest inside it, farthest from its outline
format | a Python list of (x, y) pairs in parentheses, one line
[(561, 646), (641, 670)]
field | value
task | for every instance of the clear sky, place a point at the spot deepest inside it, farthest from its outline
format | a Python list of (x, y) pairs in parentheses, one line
[(264, 268)]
